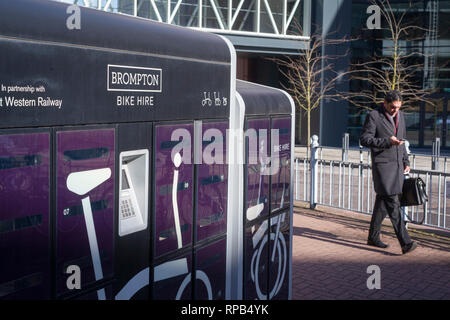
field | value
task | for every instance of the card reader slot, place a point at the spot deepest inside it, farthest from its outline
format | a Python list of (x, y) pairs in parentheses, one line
[(20, 162), (85, 154), (206, 221), (284, 131), (172, 143), (212, 179), (20, 223), (167, 189), (214, 140), (169, 233)]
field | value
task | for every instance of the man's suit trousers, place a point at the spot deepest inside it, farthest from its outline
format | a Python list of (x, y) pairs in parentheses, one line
[(388, 205)]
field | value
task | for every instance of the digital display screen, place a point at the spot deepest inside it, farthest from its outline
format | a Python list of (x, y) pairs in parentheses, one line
[(125, 184)]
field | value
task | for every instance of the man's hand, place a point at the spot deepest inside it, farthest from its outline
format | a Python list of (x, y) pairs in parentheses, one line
[(396, 142), (407, 169)]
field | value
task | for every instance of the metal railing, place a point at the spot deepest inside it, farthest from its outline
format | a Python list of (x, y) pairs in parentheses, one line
[(348, 185)]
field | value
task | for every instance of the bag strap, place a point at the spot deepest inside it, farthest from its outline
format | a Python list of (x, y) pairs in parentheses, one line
[(414, 221)]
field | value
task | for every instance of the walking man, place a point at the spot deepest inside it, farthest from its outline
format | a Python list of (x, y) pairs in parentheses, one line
[(384, 132)]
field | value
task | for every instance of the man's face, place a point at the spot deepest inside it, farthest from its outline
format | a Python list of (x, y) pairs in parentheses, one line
[(393, 107)]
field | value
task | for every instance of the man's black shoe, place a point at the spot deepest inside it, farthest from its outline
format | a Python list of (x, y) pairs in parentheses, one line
[(378, 244), (409, 247)]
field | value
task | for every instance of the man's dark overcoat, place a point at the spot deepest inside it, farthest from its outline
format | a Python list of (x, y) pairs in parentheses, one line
[(388, 161)]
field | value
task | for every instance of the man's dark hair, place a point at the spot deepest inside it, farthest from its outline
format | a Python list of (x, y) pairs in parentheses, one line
[(392, 96)]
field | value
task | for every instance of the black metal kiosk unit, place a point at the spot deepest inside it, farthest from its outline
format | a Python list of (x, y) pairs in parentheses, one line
[(107, 190)]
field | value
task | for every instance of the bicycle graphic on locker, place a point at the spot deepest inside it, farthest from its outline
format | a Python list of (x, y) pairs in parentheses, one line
[(182, 267), (260, 238)]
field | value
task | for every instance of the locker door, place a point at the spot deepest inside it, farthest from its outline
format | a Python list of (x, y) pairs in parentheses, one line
[(24, 215), (173, 211), (85, 205), (257, 178), (212, 182), (281, 181)]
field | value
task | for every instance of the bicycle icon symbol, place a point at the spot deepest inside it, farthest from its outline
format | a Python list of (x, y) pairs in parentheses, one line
[(206, 99)]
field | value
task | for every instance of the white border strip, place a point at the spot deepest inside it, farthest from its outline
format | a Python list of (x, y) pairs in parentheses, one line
[(234, 197)]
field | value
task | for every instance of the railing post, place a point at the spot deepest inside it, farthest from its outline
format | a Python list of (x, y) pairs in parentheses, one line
[(436, 154), (405, 209), (345, 146), (314, 171), (361, 157), (360, 175)]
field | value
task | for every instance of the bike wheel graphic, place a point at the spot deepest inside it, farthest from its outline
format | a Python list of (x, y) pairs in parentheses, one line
[(280, 255), (200, 275)]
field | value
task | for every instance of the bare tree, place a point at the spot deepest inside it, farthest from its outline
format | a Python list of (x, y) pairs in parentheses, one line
[(397, 68), (305, 74)]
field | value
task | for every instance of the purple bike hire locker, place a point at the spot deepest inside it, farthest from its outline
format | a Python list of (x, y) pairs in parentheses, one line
[(172, 280), (257, 191), (210, 271), (281, 181), (68, 89), (267, 238), (172, 225), (85, 236), (24, 215), (212, 182), (279, 248)]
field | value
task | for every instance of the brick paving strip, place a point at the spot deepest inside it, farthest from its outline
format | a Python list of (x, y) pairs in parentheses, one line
[(331, 257)]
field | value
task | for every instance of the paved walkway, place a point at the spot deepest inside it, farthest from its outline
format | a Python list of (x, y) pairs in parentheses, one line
[(330, 258)]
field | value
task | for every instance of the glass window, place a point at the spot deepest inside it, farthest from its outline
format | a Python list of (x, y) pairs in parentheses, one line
[(433, 121), (412, 120), (276, 8)]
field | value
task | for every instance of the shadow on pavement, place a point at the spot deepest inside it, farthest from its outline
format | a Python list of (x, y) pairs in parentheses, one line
[(332, 238), (431, 238)]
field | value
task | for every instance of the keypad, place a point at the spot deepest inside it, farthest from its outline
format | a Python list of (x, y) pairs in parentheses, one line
[(127, 209)]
